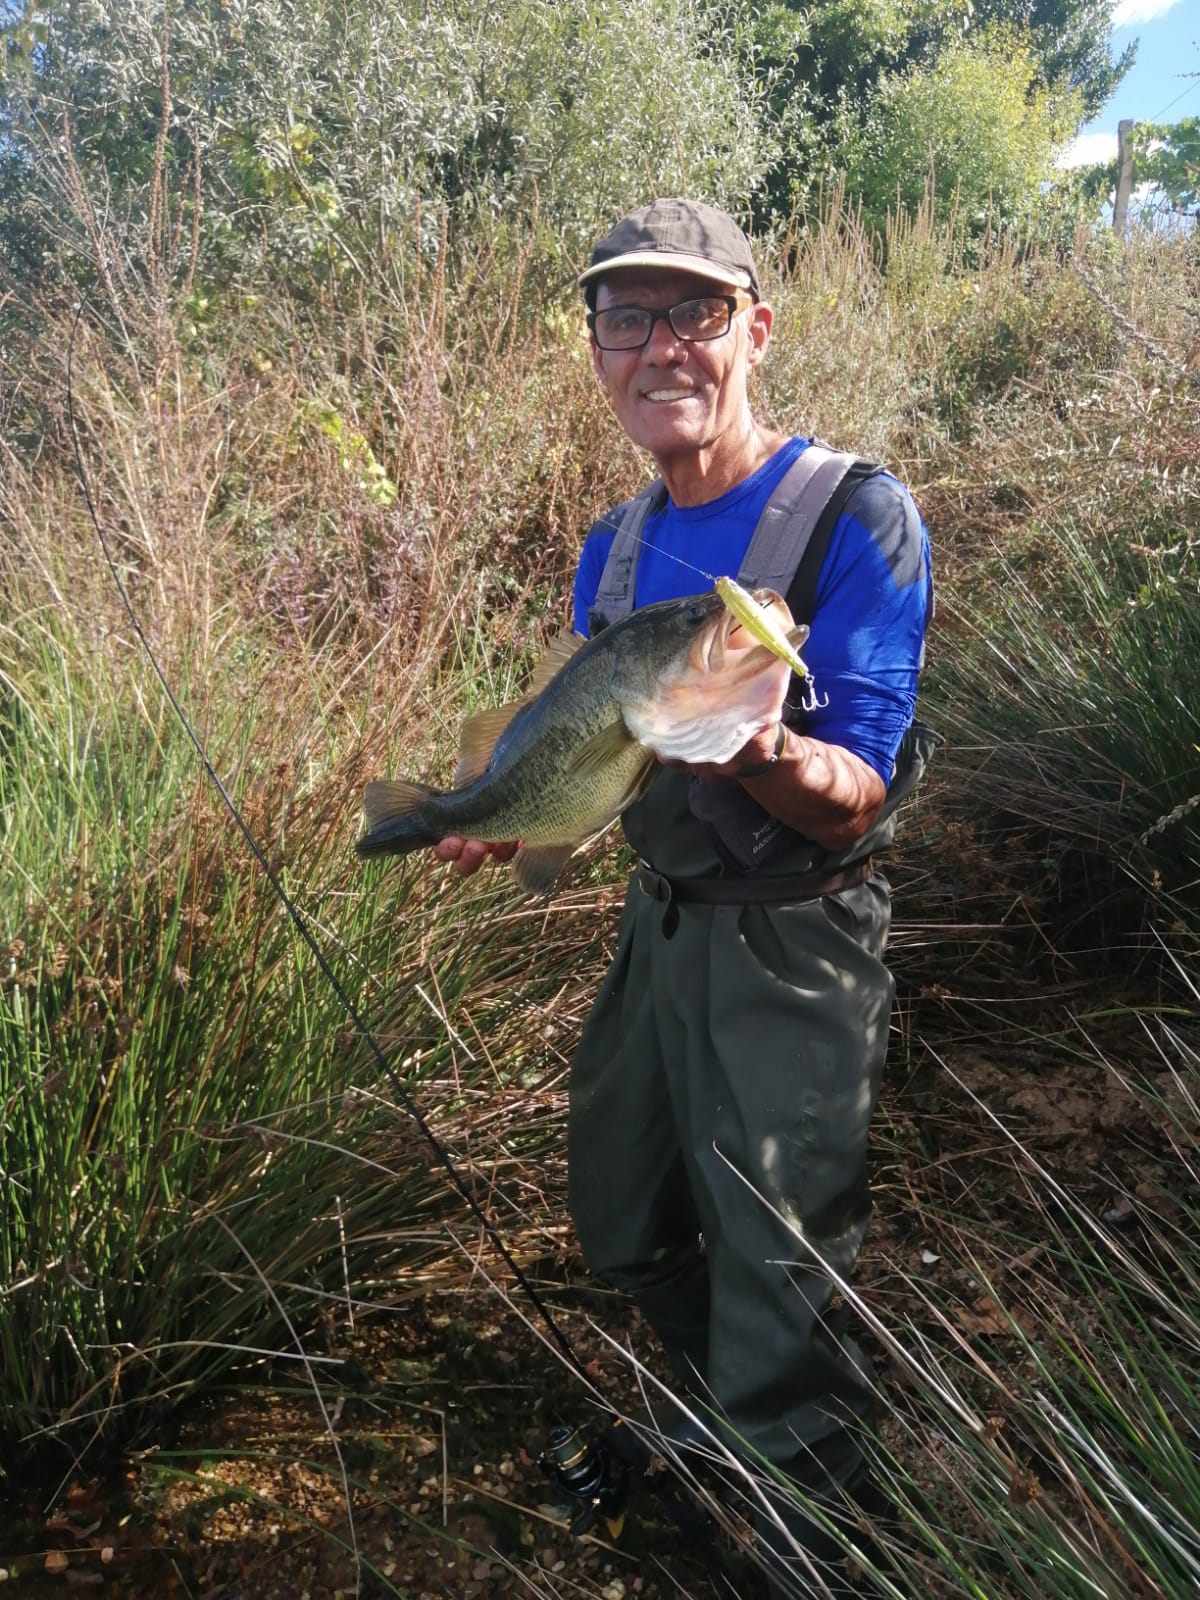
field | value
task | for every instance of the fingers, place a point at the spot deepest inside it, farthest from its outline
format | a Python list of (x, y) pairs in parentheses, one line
[(468, 855)]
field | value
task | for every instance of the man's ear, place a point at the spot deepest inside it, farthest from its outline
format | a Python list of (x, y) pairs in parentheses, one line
[(759, 327)]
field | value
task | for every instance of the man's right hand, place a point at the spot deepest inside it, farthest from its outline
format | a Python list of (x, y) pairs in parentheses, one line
[(468, 855)]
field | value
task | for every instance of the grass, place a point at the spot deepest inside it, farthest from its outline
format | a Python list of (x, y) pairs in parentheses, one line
[(202, 1162)]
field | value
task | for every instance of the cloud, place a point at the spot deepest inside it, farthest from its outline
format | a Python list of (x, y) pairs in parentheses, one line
[(1088, 148), (1126, 13)]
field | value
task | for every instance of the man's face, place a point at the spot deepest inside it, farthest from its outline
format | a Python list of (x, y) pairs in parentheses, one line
[(675, 397)]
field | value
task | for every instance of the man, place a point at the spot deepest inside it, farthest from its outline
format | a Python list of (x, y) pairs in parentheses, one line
[(722, 1090)]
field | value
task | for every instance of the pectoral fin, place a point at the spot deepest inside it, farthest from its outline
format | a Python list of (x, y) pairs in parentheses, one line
[(609, 745), (537, 866)]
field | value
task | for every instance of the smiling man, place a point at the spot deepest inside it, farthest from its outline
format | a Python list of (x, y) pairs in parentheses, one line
[(722, 1091)]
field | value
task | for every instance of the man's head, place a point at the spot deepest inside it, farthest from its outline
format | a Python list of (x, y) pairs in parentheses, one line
[(685, 235), (677, 326)]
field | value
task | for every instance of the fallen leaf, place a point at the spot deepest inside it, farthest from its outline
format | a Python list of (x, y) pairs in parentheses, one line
[(994, 1321)]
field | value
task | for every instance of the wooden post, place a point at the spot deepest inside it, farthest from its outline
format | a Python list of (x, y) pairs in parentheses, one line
[(1124, 173)]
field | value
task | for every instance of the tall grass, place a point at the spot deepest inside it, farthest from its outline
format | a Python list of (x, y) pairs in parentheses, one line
[(202, 1162), (339, 544)]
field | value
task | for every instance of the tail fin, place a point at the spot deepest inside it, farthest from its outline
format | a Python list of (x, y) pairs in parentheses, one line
[(396, 820)]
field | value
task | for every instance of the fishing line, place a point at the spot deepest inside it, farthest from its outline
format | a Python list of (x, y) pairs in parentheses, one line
[(630, 1449), (670, 555)]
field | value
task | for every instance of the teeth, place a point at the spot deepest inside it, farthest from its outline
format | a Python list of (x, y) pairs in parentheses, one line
[(667, 394)]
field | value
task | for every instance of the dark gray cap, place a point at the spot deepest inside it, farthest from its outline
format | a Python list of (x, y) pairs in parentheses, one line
[(680, 235)]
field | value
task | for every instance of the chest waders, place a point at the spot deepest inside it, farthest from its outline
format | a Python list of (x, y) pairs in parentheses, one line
[(723, 1087)]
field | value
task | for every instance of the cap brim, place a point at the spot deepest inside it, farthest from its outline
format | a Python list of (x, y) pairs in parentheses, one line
[(669, 261)]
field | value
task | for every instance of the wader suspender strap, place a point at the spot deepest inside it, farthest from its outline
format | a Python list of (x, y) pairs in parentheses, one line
[(801, 592), (785, 552), (790, 518), (614, 597)]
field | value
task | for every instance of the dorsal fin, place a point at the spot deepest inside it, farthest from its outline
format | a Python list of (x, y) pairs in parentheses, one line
[(562, 648), (481, 733), (479, 736)]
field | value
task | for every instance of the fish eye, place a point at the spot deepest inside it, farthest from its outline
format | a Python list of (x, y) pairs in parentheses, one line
[(695, 613)]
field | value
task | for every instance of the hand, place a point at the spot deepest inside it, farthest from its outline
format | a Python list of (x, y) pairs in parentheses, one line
[(756, 752), (468, 855)]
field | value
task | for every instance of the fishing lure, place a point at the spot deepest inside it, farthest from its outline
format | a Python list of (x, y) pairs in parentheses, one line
[(763, 624)]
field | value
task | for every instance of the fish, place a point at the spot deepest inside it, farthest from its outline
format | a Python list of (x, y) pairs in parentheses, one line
[(680, 680)]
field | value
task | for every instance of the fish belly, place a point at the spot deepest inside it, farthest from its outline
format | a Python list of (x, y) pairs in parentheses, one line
[(541, 801)]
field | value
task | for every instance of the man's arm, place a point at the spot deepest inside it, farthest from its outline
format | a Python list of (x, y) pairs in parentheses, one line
[(823, 791)]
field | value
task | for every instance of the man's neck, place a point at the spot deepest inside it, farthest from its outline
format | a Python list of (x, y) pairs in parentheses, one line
[(704, 475)]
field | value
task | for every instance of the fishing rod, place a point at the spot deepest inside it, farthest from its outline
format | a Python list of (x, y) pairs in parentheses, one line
[(589, 1465)]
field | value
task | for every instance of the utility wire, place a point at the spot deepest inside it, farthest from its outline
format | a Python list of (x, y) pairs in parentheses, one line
[(1179, 96)]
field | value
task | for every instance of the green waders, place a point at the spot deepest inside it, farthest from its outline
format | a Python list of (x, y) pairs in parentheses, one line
[(728, 1072)]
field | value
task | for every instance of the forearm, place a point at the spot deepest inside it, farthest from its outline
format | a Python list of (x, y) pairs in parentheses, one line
[(823, 791)]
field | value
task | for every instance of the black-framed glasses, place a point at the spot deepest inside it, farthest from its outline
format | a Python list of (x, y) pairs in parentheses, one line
[(694, 321)]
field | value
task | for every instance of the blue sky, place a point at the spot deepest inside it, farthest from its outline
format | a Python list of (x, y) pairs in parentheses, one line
[(1168, 35)]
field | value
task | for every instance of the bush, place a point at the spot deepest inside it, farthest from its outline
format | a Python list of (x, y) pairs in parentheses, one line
[(975, 123), (302, 142)]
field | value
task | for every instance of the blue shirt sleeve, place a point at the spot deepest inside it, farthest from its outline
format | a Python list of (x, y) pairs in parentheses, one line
[(873, 603)]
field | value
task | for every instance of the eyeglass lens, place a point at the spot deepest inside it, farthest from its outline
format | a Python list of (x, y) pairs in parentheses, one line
[(630, 327)]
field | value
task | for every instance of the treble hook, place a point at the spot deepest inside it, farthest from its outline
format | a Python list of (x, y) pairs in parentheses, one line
[(810, 702)]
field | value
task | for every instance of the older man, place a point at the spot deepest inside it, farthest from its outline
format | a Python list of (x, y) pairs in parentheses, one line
[(721, 1094)]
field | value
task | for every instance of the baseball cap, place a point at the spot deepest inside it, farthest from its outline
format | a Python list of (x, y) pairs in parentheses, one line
[(684, 235)]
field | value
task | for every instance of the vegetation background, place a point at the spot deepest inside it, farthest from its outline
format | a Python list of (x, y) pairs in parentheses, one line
[(287, 292)]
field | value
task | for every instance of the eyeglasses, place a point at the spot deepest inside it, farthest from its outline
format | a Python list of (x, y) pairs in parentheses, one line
[(693, 321)]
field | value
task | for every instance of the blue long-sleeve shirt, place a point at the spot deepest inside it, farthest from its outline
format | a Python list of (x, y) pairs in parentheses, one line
[(872, 599)]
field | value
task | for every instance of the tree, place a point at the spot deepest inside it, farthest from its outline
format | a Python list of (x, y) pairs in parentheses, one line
[(977, 122), (1166, 156), (822, 63), (320, 132), (1071, 40)]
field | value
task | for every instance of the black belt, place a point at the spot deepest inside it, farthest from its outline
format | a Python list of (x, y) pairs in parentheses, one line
[(753, 891)]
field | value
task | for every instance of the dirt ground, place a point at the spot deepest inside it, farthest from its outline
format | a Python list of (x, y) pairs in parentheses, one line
[(442, 1407)]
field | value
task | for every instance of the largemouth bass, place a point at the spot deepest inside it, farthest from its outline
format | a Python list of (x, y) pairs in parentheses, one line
[(678, 681)]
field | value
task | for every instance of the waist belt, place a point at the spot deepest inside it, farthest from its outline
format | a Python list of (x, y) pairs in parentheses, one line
[(769, 891)]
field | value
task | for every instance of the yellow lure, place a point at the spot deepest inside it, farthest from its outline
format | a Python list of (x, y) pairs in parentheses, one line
[(762, 624)]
